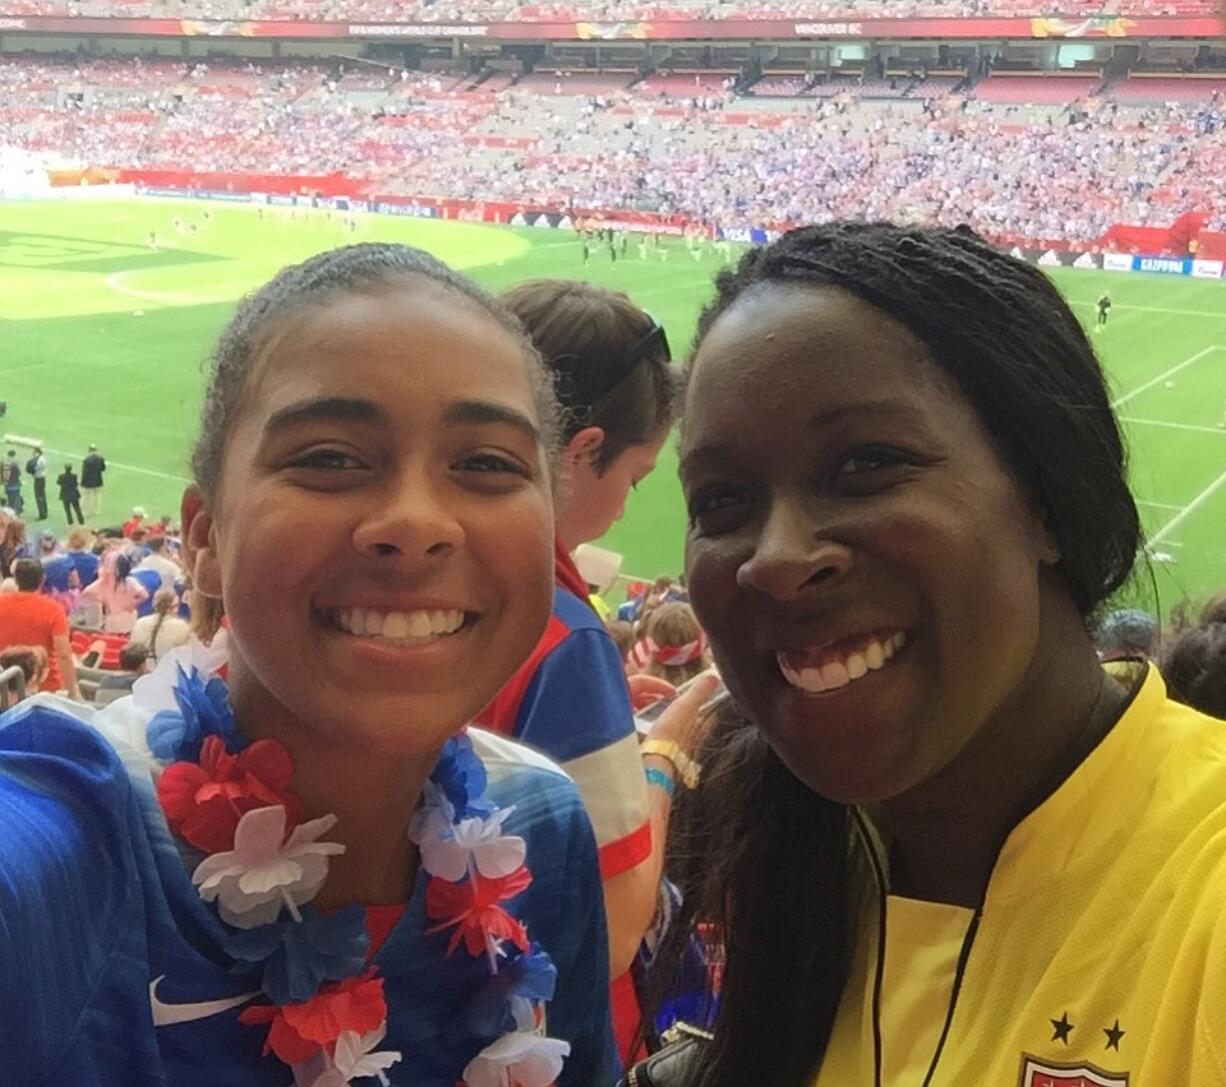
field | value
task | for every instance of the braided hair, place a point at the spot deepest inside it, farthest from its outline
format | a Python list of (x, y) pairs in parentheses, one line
[(369, 267), (774, 869)]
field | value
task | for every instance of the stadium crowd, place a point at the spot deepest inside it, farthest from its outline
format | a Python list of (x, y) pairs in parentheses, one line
[(477, 11), (922, 152)]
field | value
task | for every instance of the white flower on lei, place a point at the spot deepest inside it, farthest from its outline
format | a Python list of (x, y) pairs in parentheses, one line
[(155, 692), (264, 870), (448, 848), (518, 1059), (352, 1060), (355, 1056)]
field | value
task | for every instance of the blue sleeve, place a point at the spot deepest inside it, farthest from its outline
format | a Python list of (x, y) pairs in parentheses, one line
[(66, 889), (580, 1011), (578, 702)]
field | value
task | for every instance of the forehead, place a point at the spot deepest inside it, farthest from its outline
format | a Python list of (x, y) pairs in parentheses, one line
[(787, 352), (394, 344)]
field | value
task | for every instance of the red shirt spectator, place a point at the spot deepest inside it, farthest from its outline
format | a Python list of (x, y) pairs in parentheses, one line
[(29, 618)]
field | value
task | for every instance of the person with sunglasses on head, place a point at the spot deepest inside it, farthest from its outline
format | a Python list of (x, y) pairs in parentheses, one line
[(610, 364)]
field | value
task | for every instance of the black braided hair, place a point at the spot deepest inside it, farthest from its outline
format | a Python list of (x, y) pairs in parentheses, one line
[(353, 268), (1000, 329)]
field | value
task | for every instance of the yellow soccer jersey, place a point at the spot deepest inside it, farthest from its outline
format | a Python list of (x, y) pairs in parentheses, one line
[(1099, 955)]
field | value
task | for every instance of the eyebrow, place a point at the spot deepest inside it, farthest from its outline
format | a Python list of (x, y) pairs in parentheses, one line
[(482, 412), (333, 408)]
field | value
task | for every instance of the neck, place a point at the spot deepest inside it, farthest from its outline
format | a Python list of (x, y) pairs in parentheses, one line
[(568, 535), (373, 795), (945, 835)]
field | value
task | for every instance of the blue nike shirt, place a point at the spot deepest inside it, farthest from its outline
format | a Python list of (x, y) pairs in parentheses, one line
[(99, 921)]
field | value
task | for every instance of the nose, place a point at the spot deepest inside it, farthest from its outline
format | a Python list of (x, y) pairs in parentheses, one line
[(793, 555), (414, 519)]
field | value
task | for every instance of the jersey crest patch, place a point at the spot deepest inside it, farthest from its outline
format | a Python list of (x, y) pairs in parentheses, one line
[(1037, 1073)]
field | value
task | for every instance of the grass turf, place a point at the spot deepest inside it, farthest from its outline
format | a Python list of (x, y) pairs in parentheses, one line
[(102, 340)]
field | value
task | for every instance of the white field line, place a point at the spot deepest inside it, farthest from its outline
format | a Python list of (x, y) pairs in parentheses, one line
[(1159, 505), (1219, 431), (1153, 309), (1188, 510), (1165, 375)]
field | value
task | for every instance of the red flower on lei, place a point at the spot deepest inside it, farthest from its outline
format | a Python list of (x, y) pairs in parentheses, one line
[(204, 802), (297, 1032), (472, 907)]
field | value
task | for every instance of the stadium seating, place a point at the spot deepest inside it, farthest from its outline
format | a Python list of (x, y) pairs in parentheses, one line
[(1007, 155), (1036, 90)]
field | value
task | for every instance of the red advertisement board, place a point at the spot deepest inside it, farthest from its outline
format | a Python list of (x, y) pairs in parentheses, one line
[(1103, 26)]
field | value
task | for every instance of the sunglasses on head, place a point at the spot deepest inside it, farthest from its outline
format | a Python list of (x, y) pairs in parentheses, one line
[(653, 344)]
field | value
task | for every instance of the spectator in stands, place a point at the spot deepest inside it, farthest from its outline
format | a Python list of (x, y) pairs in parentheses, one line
[(93, 468), (380, 362), (134, 522), (84, 561), (675, 648), (167, 569), (70, 494), (622, 633), (135, 661), (879, 427), (119, 593), (1194, 665), (610, 365), (28, 618), (1125, 633), (34, 664), (12, 483), (163, 630), (12, 545)]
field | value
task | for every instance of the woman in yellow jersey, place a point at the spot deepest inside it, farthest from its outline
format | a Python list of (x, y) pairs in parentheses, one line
[(950, 849)]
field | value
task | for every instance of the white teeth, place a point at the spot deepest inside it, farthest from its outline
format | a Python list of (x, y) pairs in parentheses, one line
[(834, 674), (395, 625), (413, 626), (811, 680)]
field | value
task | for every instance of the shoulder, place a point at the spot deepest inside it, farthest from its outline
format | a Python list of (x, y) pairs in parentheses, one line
[(575, 613), (545, 799), (49, 752), (66, 802)]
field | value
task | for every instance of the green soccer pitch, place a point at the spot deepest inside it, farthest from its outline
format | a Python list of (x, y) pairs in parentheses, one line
[(102, 340)]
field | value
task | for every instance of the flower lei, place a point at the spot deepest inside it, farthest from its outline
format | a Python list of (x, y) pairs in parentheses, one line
[(326, 1014)]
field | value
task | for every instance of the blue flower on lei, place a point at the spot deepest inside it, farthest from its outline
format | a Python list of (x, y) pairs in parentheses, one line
[(460, 775), (530, 976), (299, 956), (204, 710)]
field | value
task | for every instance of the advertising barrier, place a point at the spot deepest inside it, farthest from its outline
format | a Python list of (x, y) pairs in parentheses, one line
[(1096, 26)]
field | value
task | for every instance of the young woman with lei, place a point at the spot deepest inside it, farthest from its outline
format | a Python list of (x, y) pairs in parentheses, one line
[(284, 859)]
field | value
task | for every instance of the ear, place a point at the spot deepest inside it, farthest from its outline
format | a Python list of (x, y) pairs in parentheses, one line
[(1046, 544), (583, 445), (200, 544)]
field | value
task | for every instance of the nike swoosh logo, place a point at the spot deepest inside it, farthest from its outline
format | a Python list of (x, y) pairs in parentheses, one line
[(165, 1015)]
